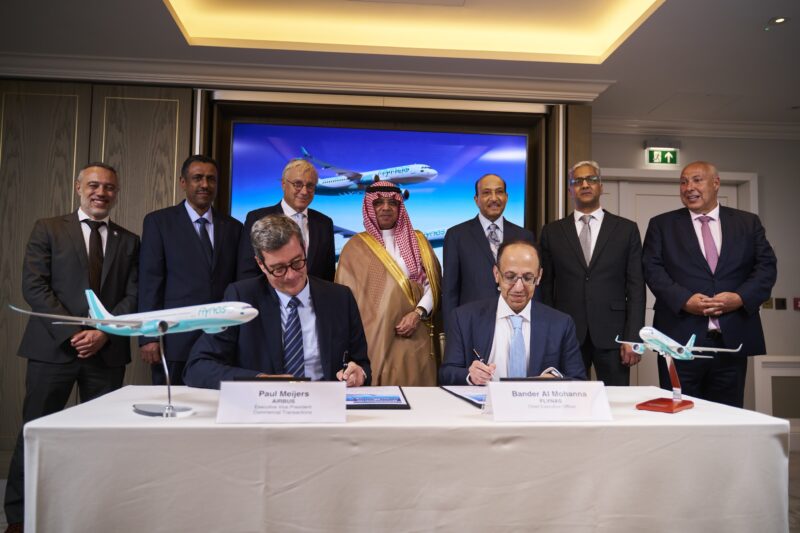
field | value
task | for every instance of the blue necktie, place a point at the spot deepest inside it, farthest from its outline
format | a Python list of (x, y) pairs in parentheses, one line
[(293, 341), (205, 241), (516, 353)]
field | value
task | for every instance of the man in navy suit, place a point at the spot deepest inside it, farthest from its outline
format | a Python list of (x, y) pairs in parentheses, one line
[(307, 327), (509, 335), (710, 267), (65, 256), (188, 258), (592, 262), (470, 248), (299, 181)]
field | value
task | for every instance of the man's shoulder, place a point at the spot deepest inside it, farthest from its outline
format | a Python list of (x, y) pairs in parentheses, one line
[(256, 214), (122, 232), (461, 226), (314, 214), (226, 218), (670, 215), (476, 307), (540, 311), (515, 231), (58, 220)]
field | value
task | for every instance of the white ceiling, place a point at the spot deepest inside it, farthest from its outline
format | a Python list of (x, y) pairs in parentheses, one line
[(698, 65)]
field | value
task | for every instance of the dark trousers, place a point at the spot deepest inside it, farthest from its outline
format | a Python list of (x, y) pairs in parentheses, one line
[(47, 389), (719, 379), (607, 364), (175, 373)]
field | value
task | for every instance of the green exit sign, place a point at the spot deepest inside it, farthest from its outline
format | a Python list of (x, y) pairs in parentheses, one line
[(662, 156)]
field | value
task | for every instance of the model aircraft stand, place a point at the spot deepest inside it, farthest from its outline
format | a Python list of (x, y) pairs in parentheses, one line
[(168, 410), (667, 405)]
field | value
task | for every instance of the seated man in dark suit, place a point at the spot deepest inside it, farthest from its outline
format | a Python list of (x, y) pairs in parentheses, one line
[(299, 182), (470, 248), (188, 257), (509, 335), (306, 327)]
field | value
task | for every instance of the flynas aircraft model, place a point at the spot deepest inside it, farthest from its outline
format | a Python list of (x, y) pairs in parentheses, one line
[(658, 342), (350, 182), (211, 318)]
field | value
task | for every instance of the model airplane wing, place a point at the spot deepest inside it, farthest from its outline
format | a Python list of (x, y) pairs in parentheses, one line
[(81, 321), (708, 349), (351, 174), (638, 347)]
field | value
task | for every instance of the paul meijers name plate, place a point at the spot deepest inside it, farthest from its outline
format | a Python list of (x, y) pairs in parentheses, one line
[(544, 401), (258, 402)]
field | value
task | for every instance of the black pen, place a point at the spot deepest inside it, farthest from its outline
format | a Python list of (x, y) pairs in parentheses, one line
[(344, 363), (478, 356)]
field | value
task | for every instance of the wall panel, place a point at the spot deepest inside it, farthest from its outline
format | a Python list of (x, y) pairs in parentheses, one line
[(44, 140)]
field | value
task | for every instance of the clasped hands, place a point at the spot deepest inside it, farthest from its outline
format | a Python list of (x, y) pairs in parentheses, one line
[(713, 306)]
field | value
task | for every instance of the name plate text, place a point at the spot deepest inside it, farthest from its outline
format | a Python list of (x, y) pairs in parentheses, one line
[(260, 402)]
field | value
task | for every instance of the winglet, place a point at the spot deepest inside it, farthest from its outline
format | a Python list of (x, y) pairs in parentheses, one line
[(96, 309), (690, 344)]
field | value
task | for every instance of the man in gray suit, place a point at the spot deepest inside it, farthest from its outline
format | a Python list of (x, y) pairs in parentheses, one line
[(592, 262), (470, 248), (65, 256)]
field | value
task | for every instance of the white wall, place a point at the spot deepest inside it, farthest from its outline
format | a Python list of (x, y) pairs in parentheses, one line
[(777, 164)]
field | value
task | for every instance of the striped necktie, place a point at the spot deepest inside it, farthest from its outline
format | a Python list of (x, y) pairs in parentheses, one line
[(293, 341)]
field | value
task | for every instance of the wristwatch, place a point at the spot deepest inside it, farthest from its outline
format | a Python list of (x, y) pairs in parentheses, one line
[(423, 314)]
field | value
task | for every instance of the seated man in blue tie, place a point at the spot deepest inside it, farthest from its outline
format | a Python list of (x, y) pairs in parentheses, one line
[(510, 335), (307, 327)]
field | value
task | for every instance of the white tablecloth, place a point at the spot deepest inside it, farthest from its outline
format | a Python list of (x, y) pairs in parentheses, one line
[(443, 465)]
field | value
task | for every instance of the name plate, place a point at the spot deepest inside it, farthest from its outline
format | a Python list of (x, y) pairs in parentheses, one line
[(544, 401), (261, 402)]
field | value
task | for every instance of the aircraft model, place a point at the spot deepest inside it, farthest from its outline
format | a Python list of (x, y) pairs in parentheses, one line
[(211, 318), (658, 342), (352, 182)]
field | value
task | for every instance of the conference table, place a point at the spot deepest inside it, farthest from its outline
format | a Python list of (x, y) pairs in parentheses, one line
[(442, 465)]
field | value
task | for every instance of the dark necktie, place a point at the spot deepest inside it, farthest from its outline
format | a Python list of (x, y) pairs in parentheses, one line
[(494, 238), (95, 255), (293, 341), (205, 240)]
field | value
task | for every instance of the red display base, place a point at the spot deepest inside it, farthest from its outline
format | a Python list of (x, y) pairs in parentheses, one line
[(665, 405)]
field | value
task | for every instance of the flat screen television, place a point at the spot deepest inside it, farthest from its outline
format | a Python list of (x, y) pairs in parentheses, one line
[(437, 170)]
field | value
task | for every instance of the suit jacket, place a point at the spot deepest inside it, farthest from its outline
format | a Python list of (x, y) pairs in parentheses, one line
[(174, 271), (257, 346), (471, 326), (606, 297), (321, 253), (55, 274), (675, 269), (468, 262)]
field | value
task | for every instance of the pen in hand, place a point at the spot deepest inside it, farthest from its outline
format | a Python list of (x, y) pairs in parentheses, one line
[(345, 363), (478, 356)]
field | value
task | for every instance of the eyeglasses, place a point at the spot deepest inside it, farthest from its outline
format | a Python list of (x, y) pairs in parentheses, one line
[(510, 278), (591, 180), (281, 270), (391, 202), (298, 186)]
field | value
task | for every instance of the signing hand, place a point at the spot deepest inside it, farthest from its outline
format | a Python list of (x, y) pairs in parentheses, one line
[(354, 375), (480, 373)]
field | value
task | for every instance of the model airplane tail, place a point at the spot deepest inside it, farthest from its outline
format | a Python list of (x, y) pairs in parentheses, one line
[(690, 344), (96, 309)]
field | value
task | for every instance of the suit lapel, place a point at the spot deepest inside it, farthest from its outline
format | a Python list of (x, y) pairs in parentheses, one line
[(485, 336), (75, 232), (567, 226), (219, 230), (728, 237), (537, 341), (112, 245), (684, 227), (607, 227), (271, 323), (481, 242), (324, 330), (313, 236)]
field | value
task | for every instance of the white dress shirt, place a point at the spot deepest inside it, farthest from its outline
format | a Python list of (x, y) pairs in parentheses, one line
[(503, 332), (303, 222), (594, 224), (194, 217), (308, 324), (87, 231), (426, 302)]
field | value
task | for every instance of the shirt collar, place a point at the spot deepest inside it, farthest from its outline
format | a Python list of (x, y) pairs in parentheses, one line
[(714, 214), (193, 216), (83, 216), (289, 211), (503, 310), (485, 222), (597, 214), (304, 296)]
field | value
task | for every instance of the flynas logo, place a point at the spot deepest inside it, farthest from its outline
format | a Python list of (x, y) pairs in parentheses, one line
[(216, 310)]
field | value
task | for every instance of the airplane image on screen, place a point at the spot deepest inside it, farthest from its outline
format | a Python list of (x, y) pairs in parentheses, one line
[(658, 342), (211, 318), (435, 237), (352, 182)]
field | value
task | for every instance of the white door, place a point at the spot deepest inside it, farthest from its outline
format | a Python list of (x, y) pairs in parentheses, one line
[(640, 201)]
